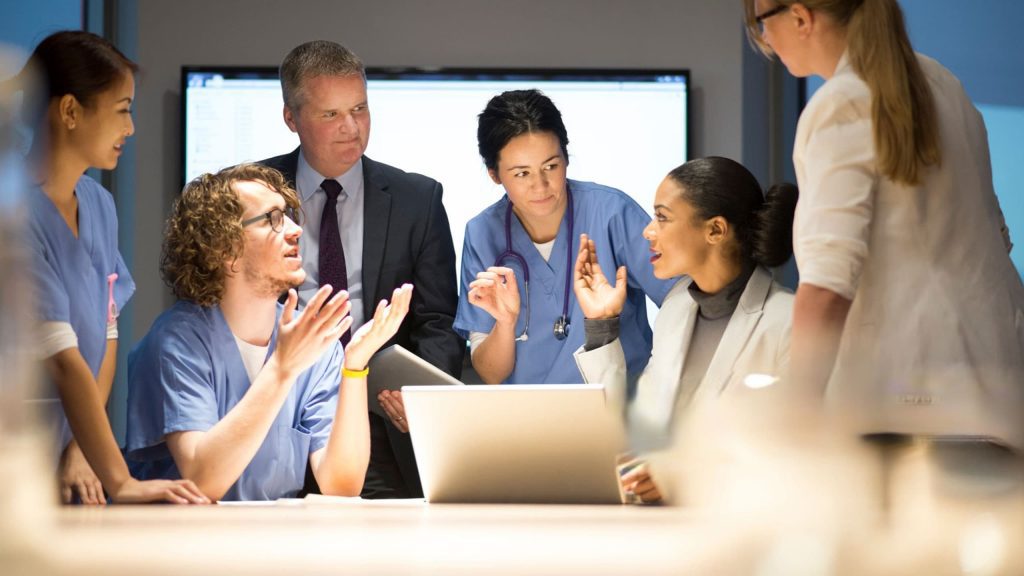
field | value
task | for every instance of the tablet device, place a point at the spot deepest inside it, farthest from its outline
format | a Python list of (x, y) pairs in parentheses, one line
[(394, 367)]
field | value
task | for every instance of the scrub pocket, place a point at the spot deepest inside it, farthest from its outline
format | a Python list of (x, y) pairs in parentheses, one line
[(279, 468)]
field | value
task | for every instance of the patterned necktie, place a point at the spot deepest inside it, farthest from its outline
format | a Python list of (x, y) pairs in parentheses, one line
[(332, 257)]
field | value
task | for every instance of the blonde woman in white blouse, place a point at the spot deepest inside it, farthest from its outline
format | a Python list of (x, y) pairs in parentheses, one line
[(909, 315)]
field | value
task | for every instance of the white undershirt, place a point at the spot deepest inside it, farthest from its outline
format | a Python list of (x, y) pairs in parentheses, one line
[(545, 248), (253, 357)]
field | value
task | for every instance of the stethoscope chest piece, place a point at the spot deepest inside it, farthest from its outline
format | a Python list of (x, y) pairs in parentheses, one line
[(561, 328)]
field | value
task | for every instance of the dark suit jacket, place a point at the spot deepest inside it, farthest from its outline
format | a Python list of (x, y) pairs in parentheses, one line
[(406, 238)]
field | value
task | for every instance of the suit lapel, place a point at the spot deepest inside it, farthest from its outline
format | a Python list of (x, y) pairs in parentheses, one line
[(376, 215), (673, 376), (656, 397), (737, 333)]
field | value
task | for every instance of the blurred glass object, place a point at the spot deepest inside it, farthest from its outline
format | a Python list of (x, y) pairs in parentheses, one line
[(27, 488), (791, 492)]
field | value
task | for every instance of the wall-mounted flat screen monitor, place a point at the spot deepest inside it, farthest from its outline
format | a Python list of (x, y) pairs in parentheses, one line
[(627, 128)]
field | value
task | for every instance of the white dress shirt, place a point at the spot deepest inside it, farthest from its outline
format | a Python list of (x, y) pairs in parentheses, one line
[(350, 224)]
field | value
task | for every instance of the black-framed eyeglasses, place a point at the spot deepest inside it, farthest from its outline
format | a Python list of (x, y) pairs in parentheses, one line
[(760, 18), (276, 218)]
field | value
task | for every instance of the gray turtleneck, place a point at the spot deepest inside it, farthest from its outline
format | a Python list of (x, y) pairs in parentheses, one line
[(714, 312)]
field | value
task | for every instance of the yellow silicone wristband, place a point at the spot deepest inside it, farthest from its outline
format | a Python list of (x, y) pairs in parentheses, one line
[(346, 373)]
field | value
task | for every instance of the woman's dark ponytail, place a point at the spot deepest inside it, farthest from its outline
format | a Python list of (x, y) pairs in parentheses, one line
[(773, 228)]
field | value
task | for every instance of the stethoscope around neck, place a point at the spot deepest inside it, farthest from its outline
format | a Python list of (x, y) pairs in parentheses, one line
[(561, 326)]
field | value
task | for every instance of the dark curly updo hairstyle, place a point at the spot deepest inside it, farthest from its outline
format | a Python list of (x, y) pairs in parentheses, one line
[(763, 221)]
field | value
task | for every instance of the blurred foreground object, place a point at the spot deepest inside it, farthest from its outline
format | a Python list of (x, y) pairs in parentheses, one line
[(791, 494), (27, 489)]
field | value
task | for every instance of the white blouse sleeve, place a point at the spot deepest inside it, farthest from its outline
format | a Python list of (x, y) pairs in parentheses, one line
[(837, 196)]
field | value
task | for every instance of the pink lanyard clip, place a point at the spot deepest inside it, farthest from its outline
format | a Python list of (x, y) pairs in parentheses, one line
[(111, 305)]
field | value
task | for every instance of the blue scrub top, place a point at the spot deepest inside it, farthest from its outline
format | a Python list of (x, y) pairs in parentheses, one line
[(187, 374), (70, 274), (615, 222)]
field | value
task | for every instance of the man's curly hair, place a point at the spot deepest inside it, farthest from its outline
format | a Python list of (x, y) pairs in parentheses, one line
[(204, 233)]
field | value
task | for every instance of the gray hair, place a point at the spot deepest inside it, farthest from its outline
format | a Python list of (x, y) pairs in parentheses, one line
[(312, 59)]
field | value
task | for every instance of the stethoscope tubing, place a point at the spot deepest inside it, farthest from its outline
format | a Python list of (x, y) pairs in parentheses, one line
[(561, 326)]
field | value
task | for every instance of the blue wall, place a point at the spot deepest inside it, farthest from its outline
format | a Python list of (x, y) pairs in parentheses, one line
[(974, 40), (1005, 126), (25, 24)]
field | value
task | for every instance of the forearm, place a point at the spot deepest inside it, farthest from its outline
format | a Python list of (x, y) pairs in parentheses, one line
[(495, 357), (105, 380), (819, 316), (80, 398), (218, 456), (341, 469)]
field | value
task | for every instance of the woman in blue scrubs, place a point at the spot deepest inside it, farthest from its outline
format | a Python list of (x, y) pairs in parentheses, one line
[(516, 305), (81, 280)]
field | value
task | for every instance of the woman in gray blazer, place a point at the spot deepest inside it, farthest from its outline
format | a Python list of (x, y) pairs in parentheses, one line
[(725, 322)]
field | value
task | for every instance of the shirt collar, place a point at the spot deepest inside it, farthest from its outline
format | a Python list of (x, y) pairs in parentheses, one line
[(308, 180), (843, 63)]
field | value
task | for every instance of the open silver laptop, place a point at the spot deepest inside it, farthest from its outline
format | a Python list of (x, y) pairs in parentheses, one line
[(515, 443)]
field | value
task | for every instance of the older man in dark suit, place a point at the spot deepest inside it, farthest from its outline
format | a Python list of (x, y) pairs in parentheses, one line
[(368, 228)]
